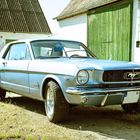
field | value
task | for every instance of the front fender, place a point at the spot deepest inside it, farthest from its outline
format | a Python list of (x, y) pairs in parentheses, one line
[(57, 79)]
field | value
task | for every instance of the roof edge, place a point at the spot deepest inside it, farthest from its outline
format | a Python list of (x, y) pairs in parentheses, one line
[(63, 14), (69, 16)]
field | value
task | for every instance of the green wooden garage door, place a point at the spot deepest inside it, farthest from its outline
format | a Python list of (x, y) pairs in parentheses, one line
[(109, 31)]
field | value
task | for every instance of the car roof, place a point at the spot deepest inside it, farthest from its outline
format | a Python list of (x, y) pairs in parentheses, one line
[(30, 40)]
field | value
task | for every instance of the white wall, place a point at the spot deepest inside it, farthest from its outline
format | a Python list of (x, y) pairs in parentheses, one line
[(16, 36), (136, 32), (74, 28), (138, 21)]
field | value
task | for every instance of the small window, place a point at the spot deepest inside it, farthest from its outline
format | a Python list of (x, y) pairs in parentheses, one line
[(18, 52)]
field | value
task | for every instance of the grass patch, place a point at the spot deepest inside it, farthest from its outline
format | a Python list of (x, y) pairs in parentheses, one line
[(10, 136), (19, 137)]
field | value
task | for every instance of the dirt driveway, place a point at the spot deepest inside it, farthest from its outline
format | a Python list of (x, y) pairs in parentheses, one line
[(24, 118)]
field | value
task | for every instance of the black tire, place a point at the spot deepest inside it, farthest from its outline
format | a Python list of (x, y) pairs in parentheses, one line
[(2, 95), (56, 106), (133, 108)]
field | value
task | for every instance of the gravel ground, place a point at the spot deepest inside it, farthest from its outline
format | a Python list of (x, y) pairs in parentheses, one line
[(23, 118)]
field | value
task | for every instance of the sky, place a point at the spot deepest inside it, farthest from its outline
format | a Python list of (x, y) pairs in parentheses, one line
[(51, 9)]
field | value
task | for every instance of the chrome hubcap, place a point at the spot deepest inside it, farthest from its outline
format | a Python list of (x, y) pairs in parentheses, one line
[(50, 103)]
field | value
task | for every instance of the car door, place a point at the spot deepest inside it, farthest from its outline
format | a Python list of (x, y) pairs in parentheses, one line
[(15, 63)]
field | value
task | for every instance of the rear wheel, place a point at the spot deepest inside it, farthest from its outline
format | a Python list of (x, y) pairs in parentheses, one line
[(56, 106), (2, 95), (131, 108)]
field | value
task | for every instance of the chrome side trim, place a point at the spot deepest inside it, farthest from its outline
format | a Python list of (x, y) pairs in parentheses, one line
[(13, 85)]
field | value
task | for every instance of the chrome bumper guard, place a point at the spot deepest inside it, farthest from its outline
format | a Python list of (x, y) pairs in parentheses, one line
[(102, 97), (80, 91)]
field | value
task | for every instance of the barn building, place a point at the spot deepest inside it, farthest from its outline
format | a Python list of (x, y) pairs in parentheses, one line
[(110, 28), (20, 19)]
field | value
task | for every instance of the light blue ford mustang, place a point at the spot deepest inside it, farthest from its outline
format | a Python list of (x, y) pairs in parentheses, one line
[(63, 73)]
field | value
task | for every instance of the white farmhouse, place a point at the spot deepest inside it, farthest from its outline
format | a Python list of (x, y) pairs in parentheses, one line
[(20, 19), (110, 28)]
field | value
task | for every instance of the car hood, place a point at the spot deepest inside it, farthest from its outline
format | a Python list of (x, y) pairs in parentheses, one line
[(83, 63), (70, 66)]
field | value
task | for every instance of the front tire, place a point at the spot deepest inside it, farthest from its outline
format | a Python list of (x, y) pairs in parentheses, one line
[(133, 108), (2, 95), (56, 106)]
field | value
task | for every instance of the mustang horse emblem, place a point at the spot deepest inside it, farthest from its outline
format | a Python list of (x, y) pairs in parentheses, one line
[(133, 75)]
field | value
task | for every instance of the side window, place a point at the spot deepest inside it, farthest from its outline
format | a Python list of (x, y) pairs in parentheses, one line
[(18, 52), (41, 52)]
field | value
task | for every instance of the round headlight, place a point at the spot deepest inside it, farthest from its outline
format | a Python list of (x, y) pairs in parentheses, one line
[(82, 77)]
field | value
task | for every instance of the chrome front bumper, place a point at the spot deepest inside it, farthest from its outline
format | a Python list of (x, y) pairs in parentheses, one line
[(102, 97)]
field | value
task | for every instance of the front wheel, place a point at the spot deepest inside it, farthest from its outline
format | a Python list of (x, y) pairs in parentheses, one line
[(131, 108), (2, 95), (56, 106)]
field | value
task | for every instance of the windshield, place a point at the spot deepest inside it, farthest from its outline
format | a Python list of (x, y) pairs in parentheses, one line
[(57, 48)]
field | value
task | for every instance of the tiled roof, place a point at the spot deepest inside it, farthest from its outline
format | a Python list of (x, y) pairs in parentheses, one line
[(22, 16), (76, 7)]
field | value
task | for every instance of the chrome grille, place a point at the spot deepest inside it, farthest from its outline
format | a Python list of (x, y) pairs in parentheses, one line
[(121, 75)]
